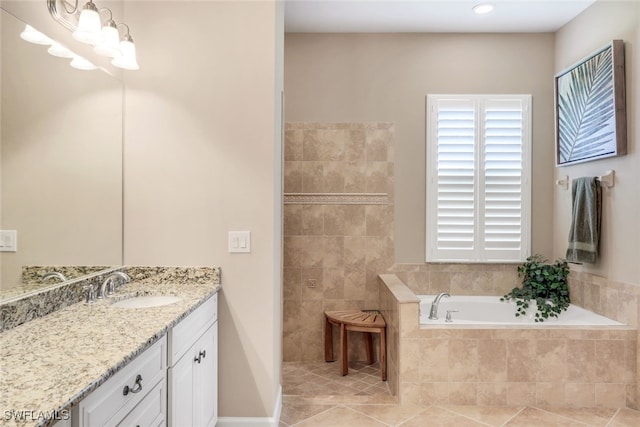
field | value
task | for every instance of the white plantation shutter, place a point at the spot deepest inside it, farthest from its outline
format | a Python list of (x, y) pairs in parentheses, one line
[(478, 178)]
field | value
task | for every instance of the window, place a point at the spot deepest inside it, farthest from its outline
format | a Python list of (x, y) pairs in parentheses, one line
[(478, 178)]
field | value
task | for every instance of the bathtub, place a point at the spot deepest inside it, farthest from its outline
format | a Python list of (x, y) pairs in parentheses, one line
[(489, 310)]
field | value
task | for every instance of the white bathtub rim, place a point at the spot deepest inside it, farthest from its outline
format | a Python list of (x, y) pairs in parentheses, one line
[(595, 320)]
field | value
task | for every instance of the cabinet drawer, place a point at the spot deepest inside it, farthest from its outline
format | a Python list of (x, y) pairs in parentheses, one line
[(150, 411), (108, 403), (184, 334)]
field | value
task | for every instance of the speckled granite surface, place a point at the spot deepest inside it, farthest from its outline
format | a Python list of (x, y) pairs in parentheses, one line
[(52, 362), (38, 302), (33, 274)]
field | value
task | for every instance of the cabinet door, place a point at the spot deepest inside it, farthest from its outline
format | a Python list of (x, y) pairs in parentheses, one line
[(206, 379), (181, 392)]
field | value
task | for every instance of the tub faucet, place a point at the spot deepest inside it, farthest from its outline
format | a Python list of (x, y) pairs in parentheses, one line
[(433, 315), (53, 274), (108, 286)]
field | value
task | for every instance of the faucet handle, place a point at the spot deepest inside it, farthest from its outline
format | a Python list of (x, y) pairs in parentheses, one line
[(111, 287), (90, 295), (448, 318)]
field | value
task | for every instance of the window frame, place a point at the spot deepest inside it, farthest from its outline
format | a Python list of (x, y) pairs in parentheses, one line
[(479, 253)]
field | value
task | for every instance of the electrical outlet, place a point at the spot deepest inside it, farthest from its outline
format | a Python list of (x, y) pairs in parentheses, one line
[(311, 283)]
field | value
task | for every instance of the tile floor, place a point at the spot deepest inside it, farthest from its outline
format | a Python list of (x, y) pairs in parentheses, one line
[(316, 395)]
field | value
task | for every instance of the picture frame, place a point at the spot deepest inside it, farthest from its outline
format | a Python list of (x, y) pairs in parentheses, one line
[(590, 107)]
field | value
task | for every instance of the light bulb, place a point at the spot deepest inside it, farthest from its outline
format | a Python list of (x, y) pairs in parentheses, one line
[(89, 25), (110, 43), (128, 59)]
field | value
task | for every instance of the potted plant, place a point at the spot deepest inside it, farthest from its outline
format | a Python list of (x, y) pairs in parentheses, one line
[(543, 285)]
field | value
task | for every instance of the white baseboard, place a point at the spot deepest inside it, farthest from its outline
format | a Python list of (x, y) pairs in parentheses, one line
[(272, 421)]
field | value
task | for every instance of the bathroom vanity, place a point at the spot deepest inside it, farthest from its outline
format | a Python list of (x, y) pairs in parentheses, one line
[(107, 363)]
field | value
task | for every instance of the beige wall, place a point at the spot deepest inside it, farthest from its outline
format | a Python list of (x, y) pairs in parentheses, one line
[(202, 157), (620, 241), (385, 77)]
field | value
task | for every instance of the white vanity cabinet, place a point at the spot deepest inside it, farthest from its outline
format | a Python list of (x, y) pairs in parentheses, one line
[(193, 368), (135, 396)]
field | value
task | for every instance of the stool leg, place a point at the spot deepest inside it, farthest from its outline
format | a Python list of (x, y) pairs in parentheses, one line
[(328, 341), (344, 351), (368, 341), (383, 353)]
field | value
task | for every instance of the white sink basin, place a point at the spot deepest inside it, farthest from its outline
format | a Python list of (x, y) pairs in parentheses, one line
[(147, 301)]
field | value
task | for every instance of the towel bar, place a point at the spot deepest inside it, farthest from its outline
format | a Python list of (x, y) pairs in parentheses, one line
[(563, 182), (606, 180)]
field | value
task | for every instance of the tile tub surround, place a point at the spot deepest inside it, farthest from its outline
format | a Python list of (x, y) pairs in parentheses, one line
[(338, 227), (460, 279), (52, 362), (24, 307), (561, 367)]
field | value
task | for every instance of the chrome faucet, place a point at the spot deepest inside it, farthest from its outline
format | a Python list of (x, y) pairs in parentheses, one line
[(433, 314), (108, 286), (52, 274)]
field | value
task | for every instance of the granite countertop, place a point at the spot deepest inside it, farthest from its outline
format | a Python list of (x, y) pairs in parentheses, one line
[(51, 363)]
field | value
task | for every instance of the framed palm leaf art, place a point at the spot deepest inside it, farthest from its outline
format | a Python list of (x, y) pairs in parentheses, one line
[(591, 118)]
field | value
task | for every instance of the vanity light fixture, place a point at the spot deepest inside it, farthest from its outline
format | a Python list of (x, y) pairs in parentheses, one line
[(109, 44), (127, 60), (89, 29), (483, 8)]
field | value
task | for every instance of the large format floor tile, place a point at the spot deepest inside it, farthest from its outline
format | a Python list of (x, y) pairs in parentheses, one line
[(316, 395)]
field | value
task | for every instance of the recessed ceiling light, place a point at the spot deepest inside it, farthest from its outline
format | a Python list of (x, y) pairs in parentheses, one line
[(483, 8)]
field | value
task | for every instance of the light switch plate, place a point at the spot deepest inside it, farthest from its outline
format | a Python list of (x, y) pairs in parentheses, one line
[(239, 242), (8, 241)]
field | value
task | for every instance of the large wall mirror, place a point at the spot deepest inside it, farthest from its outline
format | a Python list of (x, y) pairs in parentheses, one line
[(60, 160)]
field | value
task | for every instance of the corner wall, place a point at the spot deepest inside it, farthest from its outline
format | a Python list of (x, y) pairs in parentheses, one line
[(612, 286), (202, 155), (620, 236)]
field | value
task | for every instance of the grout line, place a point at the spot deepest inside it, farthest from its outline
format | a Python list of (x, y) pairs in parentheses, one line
[(514, 415), (561, 416), (370, 416), (315, 415), (424, 409), (464, 416), (613, 417)]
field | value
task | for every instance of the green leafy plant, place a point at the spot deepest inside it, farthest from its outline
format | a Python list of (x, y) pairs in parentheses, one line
[(542, 283)]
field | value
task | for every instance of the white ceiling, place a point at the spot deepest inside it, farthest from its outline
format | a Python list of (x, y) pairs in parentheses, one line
[(375, 16)]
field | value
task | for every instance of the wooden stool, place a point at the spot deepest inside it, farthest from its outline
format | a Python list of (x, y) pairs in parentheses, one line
[(360, 321)]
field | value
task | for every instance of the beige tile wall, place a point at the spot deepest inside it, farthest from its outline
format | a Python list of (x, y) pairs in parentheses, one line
[(619, 301), (569, 367), (458, 279), (341, 245)]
